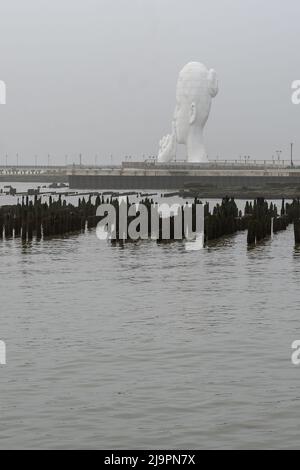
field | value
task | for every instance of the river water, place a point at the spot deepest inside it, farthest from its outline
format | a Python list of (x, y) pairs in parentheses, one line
[(149, 346)]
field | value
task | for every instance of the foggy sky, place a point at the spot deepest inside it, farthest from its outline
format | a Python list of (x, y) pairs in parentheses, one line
[(99, 76)]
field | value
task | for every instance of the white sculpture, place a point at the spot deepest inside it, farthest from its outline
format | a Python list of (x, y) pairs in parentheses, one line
[(196, 87)]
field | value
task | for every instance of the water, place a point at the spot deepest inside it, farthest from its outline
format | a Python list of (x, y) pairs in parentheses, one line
[(149, 346)]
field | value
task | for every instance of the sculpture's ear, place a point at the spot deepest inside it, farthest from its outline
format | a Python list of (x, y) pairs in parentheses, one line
[(193, 113), (213, 83)]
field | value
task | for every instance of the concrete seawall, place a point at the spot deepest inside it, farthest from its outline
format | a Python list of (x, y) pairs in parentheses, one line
[(33, 179), (208, 181)]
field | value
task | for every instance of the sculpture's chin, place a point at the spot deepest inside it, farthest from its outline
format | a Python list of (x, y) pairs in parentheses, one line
[(180, 139)]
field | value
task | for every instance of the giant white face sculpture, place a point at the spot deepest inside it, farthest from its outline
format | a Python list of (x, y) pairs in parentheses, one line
[(196, 87)]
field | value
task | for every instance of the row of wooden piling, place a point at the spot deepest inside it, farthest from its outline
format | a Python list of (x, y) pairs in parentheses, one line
[(55, 218), (49, 219), (34, 218), (265, 219), (293, 214)]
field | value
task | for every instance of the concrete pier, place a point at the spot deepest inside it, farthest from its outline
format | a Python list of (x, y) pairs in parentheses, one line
[(211, 180), (235, 178)]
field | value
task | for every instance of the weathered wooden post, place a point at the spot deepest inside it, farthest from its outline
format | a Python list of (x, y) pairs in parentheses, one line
[(297, 231)]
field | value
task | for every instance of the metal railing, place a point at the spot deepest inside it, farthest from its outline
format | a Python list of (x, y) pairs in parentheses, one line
[(154, 164), (221, 164)]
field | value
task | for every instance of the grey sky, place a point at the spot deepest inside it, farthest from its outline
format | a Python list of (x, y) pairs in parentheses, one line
[(99, 76)]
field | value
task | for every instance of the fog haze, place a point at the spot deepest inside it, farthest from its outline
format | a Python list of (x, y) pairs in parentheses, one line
[(98, 77)]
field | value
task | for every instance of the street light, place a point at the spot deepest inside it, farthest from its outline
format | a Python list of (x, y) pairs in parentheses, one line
[(292, 163)]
